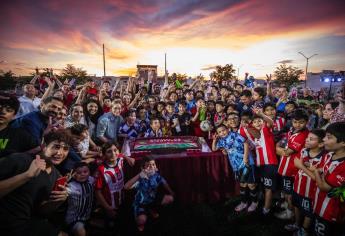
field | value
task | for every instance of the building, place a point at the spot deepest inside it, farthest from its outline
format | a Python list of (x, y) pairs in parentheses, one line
[(145, 72)]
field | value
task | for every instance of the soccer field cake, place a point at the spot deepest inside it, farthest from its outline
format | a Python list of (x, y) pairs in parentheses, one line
[(166, 145)]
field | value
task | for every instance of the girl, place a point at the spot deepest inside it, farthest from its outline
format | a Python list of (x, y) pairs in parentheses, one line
[(76, 116)]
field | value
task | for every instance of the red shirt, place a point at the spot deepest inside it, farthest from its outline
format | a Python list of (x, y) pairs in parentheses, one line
[(303, 184), (111, 181), (330, 209), (265, 148), (279, 124), (296, 142)]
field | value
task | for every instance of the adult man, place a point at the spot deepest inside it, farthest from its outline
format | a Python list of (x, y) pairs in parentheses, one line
[(109, 124), (28, 102), (26, 188), (37, 123), (12, 139)]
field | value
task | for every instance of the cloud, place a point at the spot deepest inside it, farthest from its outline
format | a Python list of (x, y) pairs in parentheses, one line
[(209, 67), (285, 61)]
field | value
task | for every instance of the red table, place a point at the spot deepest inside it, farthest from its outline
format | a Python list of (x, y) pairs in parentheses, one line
[(198, 177)]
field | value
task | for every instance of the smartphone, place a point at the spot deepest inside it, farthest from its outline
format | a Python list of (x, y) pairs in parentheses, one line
[(60, 181)]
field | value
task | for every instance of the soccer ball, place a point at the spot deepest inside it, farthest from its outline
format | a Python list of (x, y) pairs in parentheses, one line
[(205, 126)]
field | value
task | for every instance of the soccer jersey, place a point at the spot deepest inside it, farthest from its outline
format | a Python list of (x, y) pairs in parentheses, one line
[(330, 208), (248, 136), (295, 142), (80, 200), (233, 143), (279, 124), (303, 184), (111, 181), (265, 148), (131, 131)]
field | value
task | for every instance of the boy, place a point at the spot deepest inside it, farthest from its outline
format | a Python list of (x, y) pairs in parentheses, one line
[(279, 122), (243, 166), (155, 130), (146, 200), (259, 94), (80, 199), (304, 185), (266, 159), (287, 170), (329, 210), (220, 115), (181, 122), (130, 129)]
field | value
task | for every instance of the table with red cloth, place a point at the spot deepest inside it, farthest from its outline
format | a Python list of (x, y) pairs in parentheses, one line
[(198, 177)]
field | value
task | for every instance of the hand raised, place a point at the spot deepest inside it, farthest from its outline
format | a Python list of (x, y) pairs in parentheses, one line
[(36, 166)]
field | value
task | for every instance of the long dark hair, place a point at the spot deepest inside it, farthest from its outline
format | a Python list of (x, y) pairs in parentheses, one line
[(88, 116)]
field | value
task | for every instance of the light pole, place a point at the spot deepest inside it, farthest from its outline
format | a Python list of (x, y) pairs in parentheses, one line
[(238, 71), (306, 67)]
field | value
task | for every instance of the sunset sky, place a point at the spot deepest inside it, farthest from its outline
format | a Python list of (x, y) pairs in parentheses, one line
[(196, 35)]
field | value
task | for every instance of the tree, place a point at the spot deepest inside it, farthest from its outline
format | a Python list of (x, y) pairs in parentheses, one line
[(223, 73), (70, 71), (287, 75), (7, 80), (178, 76)]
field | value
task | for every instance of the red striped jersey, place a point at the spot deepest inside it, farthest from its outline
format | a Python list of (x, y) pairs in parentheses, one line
[(303, 184), (279, 124), (331, 209), (111, 181), (295, 142), (248, 136), (265, 148)]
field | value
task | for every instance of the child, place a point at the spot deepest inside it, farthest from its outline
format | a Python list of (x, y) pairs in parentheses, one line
[(181, 122), (304, 185), (259, 94), (220, 115), (287, 170), (130, 128), (243, 166), (146, 183), (80, 199), (199, 115), (155, 130), (329, 210), (266, 159), (106, 104), (279, 122), (110, 181)]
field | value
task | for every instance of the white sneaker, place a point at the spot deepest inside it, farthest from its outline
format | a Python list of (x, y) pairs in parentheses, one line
[(285, 215), (291, 227), (252, 207), (241, 207), (284, 205)]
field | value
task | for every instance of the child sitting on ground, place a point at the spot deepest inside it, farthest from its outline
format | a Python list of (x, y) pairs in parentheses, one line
[(146, 183)]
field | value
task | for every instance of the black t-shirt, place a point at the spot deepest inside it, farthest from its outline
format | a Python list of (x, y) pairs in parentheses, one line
[(17, 207), (185, 129), (14, 140)]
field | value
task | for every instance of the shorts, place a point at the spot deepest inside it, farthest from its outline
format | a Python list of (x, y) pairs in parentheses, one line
[(287, 184), (303, 203), (324, 227), (144, 209), (268, 176), (246, 175)]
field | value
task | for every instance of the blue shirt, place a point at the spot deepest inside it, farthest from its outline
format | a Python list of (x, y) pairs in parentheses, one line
[(147, 189), (131, 131), (34, 123), (108, 126), (233, 143)]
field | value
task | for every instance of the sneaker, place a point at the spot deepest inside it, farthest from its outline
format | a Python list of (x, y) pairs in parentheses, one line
[(265, 211), (284, 205), (291, 227), (241, 207), (252, 207), (285, 215), (301, 232)]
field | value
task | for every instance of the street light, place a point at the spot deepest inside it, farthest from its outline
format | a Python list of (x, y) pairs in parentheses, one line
[(306, 67), (238, 71)]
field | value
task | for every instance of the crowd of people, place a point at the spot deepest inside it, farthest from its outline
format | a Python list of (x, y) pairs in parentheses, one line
[(60, 150)]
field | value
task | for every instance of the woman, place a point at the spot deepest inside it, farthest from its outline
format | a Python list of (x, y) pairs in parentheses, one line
[(92, 111), (327, 114), (76, 116)]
